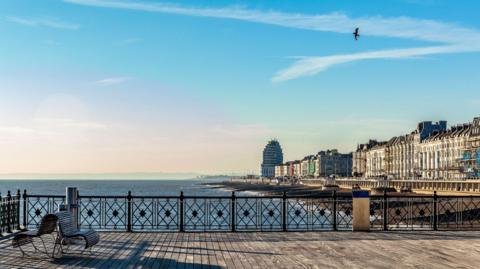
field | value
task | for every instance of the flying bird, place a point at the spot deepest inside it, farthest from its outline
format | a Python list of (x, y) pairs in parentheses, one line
[(356, 34)]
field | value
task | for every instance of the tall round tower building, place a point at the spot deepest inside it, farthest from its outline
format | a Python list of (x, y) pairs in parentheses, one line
[(272, 156)]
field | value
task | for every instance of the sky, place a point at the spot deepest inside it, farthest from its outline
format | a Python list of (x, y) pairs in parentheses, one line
[(112, 86)]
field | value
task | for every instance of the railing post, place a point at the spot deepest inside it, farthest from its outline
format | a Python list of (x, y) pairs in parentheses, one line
[(284, 211), (1, 214), (334, 210), (25, 209), (233, 211), (9, 212), (182, 229), (385, 211), (17, 218), (435, 216), (129, 212), (78, 210)]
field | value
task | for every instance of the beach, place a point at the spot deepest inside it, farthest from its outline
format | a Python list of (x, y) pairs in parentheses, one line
[(259, 188)]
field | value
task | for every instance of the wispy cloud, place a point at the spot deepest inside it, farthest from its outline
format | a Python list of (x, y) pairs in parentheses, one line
[(43, 22), (312, 65), (449, 38), (113, 80)]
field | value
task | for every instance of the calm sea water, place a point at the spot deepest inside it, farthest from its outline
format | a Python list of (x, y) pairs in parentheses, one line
[(115, 187)]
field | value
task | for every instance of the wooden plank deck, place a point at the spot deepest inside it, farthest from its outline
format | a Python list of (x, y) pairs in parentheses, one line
[(265, 250)]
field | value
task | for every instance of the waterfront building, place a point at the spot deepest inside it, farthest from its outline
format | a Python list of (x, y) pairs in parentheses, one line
[(279, 171), (311, 166), (401, 151), (304, 167), (471, 156), (375, 161), (429, 152), (272, 156), (297, 169), (397, 158), (359, 158), (440, 154), (290, 169), (308, 167), (286, 170), (332, 163)]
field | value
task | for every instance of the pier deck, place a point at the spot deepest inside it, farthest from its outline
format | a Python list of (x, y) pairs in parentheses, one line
[(266, 250)]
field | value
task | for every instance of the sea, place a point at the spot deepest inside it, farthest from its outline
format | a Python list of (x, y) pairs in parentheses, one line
[(163, 187)]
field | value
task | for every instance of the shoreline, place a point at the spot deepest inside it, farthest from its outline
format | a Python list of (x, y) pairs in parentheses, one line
[(269, 189)]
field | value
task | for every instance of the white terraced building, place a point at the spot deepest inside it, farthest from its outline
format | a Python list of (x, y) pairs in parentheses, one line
[(440, 155), (429, 152)]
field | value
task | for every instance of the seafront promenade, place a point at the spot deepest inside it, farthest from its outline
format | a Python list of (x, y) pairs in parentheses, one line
[(265, 250), (457, 187)]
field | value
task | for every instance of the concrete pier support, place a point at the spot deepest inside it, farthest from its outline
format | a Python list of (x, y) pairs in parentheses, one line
[(361, 211)]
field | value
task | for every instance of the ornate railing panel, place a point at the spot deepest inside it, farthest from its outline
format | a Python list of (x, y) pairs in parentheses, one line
[(410, 213), (4, 215), (271, 214), (143, 213), (470, 213), (458, 213), (344, 213), (376, 213), (310, 214), (207, 214), (40, 205), (258, 213), (9, 213), (247, 217), (168, 214), (103, 213), (155, 213), (322, 213)]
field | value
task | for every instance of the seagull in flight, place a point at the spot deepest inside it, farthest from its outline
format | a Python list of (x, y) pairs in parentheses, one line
[(356, 35)]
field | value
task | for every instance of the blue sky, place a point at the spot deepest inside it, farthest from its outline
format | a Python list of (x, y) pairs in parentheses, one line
[(190, 86)]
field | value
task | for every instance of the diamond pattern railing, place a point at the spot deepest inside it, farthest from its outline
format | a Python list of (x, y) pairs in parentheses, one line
[(423, 212), (10, 213), (103, 213), (406, 213), (310, 214), (207, 214), (249, 213), (459, 213), (38, 206), (376, 213)]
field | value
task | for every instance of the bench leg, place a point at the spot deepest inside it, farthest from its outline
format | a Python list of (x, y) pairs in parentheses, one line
[(21, 250), (44, 246), (60, 249), (35, 247)]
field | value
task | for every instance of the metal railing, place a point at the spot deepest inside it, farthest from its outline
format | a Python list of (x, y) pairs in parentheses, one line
[(323, 212), (200, 213), (9, 213), (425, 212)]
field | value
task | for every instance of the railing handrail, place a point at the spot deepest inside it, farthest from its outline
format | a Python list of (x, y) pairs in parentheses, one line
[(321, 195), (45, 196)]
